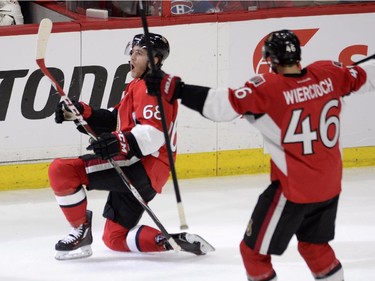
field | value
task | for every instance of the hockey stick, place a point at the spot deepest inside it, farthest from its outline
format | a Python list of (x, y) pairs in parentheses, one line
[(45, 28), (180, 208), (365, 59)]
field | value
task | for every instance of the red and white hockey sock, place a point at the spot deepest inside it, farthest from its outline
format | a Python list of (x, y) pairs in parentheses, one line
[(143, 238), (67, 178), (335, 274), (258, 267), (74, 206), (114, 236), (140, 238), (322, 261)]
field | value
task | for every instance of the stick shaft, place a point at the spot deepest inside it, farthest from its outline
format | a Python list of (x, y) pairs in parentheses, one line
[(180, 208), (365, 59)]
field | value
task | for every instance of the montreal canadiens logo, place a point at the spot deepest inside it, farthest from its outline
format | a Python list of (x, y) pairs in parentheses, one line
[(181, 7)]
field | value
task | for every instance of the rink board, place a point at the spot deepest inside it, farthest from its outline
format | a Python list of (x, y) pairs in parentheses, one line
[(93, 68), (223, 163)]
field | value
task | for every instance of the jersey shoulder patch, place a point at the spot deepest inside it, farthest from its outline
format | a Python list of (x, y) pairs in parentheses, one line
[(325, 64), (338, 64), (257, 80)]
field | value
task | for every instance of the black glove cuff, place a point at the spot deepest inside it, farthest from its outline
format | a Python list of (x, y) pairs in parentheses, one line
[(193, 96), (179, 90)]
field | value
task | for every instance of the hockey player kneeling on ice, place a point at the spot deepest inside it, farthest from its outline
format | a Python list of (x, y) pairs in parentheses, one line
[(131, 134), (297, 110)]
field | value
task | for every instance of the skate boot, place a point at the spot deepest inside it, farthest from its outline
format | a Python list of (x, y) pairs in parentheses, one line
[(191, 243), (78, 243)]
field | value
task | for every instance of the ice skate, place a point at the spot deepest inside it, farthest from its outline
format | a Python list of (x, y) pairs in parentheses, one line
[(192, 243), (78, 243)]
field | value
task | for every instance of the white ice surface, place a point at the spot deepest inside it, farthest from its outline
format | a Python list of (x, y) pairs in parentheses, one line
[(216, 208)]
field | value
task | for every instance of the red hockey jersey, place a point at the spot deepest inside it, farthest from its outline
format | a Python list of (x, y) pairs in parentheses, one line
[(299, 118), (139, 114)]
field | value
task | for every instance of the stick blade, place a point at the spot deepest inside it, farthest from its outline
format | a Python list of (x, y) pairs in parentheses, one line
[(45, 28)]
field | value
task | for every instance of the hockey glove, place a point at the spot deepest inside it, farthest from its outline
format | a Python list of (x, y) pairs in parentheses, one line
[(159, 83), (63, 113), (109, 145)]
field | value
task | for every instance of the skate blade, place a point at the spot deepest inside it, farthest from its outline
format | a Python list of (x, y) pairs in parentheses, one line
[(79, 253), (205, 247)]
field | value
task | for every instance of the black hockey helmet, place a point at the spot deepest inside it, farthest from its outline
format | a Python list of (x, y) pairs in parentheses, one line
[(282, 47), (159, 44)]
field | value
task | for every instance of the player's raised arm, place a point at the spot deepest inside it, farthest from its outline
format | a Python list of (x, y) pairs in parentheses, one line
[(369, 68), (212, 103)]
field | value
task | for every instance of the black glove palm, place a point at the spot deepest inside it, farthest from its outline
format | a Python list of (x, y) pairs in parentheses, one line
[(153, 81)]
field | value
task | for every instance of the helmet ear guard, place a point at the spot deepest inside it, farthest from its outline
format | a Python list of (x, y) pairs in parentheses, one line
[(282, 48)]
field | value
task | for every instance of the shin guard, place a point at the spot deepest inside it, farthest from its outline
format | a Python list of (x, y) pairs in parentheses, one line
[(74, 206), (140, 238), (335, 274), (258, 267), (143, 238), (67, 178), (318, 257)]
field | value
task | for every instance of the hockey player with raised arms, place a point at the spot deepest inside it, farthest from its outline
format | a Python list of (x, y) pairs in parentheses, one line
[(297, 110), (131, 134)]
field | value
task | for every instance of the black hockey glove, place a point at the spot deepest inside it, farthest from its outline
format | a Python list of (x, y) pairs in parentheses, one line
[(109, 145), (153, 81), (63, 113), (160, 83)]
